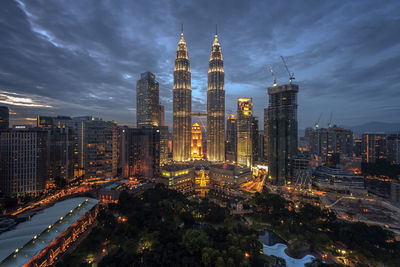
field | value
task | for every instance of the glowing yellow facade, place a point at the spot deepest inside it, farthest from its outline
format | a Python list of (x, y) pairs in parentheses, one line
[(216, 105), (244, 142), (197, 142), (182, 104)]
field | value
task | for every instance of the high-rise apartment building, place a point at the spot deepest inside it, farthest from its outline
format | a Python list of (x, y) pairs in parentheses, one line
[(244, 123), (147, 101), (142, 153), (100, 141), (162, 115), (23, 161), (61, 151), (95, 144), (122, 151), (280, 130), (216, 105), (254, 139), (77, 125), (231, 138), (373, 147), (393, 148), (379, 146), (4, 118), (164, 138), (197, 142), (334, 140), (182, 104)]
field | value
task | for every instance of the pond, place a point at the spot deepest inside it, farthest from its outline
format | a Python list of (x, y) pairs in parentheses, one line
[(273, 245), (278, 250)]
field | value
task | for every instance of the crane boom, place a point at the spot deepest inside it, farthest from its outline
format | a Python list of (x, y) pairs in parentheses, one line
[(291, 75), (330, 121), (273, 75), (317, 123)]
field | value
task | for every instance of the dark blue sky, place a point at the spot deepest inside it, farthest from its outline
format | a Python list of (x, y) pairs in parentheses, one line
[(84, 57)]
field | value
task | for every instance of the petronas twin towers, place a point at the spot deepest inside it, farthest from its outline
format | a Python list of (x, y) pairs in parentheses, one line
[(182, 106)]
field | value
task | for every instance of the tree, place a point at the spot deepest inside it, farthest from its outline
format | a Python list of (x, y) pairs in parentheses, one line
[(206, 256), (220, 262), (194, 240)]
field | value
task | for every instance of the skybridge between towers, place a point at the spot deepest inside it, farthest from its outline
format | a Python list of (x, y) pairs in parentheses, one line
[(200, 115)]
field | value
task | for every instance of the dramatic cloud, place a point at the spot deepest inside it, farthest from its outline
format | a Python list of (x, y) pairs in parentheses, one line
[(84, 57)]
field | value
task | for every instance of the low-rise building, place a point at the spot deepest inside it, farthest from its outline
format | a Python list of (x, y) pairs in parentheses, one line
[(41, 240), (327, 178), (179, 177), (229, 175)]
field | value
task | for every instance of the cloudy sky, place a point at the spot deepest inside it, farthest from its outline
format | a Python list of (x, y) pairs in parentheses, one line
[(84, 57)]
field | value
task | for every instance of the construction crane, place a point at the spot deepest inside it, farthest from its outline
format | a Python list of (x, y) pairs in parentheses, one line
[(273, 75), (330, 121), (317, 123), (291, 75)]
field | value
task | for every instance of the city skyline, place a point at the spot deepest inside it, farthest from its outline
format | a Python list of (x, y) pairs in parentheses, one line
[(68, 68)]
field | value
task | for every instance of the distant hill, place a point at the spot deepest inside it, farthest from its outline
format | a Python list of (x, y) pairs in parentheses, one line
[(370, 127), (375, 127)]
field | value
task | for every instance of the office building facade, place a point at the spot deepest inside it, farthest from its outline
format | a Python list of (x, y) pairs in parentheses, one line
[(231, 138), (142, 153), (374, 147), (164, 138), (147, 101), (255, 139), (61, 154), (23, 161), (281, 131), (333, 140), (4, 118), (244, 125), (100, 141)]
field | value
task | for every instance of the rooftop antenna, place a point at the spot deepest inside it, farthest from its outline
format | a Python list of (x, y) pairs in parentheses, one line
[(291, 75), (216, 29), (273, 75), (182, 28)]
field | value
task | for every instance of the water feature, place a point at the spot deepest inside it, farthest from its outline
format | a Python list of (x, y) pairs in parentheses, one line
[(274, 245)]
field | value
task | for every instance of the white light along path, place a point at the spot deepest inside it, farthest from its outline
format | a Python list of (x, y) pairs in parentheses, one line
[(278, 250), (32, 236)]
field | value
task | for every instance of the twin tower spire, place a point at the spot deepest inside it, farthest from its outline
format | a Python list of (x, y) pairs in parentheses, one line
[(182, 104)]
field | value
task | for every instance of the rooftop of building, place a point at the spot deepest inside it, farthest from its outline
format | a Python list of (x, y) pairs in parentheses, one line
[(334, 171), (20, 244), (283, 87), (229, 168), (176, 167)]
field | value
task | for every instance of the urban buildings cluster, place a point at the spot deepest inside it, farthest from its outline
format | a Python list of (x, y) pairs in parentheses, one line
[(196, 156)]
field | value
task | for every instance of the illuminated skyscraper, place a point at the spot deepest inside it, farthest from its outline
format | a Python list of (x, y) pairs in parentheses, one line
[(231, 138), (216, 105), (281, 131), (182, 120), (254, 139), (147, 101), (197, 142), (244, 124), (164, 138)]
